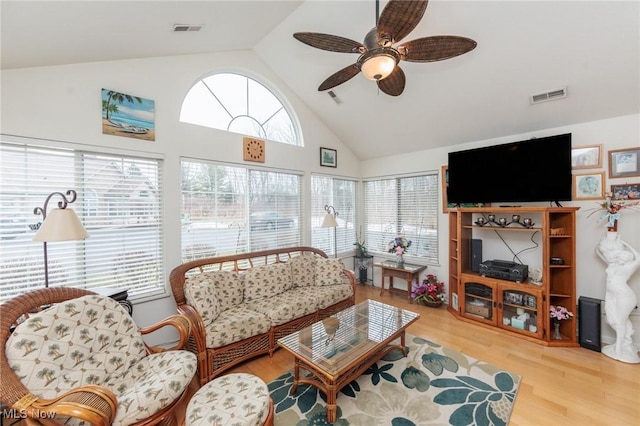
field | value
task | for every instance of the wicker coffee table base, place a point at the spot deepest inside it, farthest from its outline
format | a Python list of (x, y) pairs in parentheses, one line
[(331, 385)]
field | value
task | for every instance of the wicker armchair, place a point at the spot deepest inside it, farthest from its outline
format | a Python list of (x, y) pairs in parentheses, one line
[(69, 355)]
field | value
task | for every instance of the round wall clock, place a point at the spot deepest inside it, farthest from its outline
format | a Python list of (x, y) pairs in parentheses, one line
[(253, 150)]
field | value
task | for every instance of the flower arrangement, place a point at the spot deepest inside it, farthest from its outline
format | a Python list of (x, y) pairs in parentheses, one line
[(399, 245), (611, 208), (560, 313), (431, 290)]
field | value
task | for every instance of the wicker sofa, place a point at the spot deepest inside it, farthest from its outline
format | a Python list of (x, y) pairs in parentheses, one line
[(240, 305)]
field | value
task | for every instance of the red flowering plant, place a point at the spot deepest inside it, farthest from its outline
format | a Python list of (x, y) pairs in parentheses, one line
[(431, 290)]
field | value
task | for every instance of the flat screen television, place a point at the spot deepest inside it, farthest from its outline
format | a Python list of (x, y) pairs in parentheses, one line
[(533, 170)]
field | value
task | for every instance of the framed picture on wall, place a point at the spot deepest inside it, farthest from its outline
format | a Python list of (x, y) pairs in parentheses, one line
[(328, 157), (624, 162), (626, 191), (588, 186), (128, 115), (586, 157)]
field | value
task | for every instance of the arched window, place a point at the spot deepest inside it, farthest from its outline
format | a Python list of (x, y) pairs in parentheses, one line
[(239, 104)]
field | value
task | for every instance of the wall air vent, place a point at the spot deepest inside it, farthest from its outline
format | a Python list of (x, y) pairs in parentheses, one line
[(550, 95), (179, 28)]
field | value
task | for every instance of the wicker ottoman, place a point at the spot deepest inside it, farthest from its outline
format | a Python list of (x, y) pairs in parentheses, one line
[(234, 399)]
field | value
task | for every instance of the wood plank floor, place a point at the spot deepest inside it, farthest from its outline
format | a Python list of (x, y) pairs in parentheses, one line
[(560, 386)]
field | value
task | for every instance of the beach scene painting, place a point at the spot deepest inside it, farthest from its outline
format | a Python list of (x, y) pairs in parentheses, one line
[(127, 115)]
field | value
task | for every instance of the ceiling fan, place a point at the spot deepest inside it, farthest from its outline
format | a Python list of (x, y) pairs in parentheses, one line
[(379, 59)]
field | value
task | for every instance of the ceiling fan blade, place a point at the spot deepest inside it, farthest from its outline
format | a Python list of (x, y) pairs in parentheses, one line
[(340, 77), (393, 85), (436, 48), (399, 18), (330, 42)]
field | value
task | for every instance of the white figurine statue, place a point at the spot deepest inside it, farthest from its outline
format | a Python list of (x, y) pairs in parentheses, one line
[(622, 260)]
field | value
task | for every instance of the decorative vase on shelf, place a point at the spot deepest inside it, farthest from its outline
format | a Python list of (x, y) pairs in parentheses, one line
[(400, 260), (556, 331)]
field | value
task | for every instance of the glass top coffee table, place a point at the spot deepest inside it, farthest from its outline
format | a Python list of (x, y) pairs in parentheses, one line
[(340, 348)]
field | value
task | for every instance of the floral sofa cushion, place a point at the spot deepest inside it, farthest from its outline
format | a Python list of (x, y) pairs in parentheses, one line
[(227, 287), (284, 307), (267, 280), (303, 270), (237, 399), (152, 384), (200, 293), (329, 271), (324, 296), (93, 340), (236, 324), (89, 340)]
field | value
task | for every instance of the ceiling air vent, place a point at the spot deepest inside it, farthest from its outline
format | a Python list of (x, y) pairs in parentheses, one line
[(335, 97), (179, 28), (550, 95)]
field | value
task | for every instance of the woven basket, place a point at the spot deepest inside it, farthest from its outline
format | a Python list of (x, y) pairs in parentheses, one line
[(429, 303)]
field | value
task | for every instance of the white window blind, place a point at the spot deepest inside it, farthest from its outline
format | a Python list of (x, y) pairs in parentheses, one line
[(340, 194), (119, 203), (228, 209), (403, 206)]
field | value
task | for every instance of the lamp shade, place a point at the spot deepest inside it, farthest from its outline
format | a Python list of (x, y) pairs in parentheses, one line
[(61, 225), (329, 221), (378, 67)]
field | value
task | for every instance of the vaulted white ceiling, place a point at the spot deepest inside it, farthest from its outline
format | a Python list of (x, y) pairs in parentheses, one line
[(524, 47)]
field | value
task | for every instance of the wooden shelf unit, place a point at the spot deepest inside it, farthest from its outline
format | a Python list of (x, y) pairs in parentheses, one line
[(492, 302)]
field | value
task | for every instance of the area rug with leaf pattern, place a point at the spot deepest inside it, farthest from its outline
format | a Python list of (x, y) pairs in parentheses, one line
[(432, 385)]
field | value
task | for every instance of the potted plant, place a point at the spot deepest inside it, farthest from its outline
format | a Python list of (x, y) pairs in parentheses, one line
[(430, 292), (361, 249), (558, 313), (399, 246)]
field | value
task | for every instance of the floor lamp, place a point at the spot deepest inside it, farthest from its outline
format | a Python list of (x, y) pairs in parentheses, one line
[(61, 224), (329, 221)]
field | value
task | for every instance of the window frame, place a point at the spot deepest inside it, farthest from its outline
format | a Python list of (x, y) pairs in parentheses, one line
[(346, 215), (76, 253), (284, 103), (287, 230), (420, 245)]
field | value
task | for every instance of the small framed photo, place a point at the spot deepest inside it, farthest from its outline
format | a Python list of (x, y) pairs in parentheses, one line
[(626, 191), (328, 157), (586, 157), (588, 186), (624, 162)]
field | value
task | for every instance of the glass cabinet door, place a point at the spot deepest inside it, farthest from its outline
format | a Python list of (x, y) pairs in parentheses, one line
[(478, 301), (520, 310)]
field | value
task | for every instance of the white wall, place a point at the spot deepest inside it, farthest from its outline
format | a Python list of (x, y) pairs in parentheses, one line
[(616, 133), (63, 103)]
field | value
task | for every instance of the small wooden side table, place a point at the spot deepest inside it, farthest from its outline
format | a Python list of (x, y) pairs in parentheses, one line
[(406, 271)]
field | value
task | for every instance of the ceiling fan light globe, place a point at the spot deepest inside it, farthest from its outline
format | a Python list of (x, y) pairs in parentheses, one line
[(378, 67)]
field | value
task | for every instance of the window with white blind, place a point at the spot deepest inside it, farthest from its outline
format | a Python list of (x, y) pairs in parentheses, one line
[(405, 206), (341, 195), (119, 201), (232, 209)]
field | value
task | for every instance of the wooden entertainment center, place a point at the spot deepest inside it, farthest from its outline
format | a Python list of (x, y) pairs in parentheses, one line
[(520, 309)]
